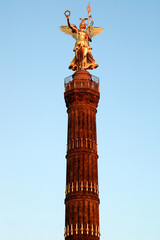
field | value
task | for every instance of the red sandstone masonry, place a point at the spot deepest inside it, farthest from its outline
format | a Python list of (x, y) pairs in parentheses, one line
[(82, 199)]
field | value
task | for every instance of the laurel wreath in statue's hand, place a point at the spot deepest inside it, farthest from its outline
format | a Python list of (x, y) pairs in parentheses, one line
[(67, 13)]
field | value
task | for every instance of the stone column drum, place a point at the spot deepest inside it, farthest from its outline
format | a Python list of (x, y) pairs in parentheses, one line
[(82, 192)]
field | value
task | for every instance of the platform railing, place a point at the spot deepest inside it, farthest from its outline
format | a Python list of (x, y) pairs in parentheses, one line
[(69, 84)]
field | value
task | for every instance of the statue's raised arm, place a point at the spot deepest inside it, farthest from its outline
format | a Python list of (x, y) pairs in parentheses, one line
[(70, 29), (83, 58)]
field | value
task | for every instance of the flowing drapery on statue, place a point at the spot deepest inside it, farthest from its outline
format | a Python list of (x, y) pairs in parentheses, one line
[(83, 58)]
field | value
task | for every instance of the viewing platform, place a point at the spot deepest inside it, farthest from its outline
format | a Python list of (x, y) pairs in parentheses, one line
[(81, 79)]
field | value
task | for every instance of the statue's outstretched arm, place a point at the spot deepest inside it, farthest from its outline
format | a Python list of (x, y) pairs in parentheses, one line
[(70, 26), (67, 14)]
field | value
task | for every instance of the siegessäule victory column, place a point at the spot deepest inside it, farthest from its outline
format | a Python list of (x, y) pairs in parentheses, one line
[(82, 97)]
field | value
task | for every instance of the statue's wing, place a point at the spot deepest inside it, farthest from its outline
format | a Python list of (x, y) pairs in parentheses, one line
[(68, 30), (93, 31)]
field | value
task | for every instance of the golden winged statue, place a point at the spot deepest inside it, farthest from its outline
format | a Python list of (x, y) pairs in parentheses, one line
[(83, 58)]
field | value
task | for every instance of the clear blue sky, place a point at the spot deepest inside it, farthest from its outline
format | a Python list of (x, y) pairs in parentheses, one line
[(34, 59)]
